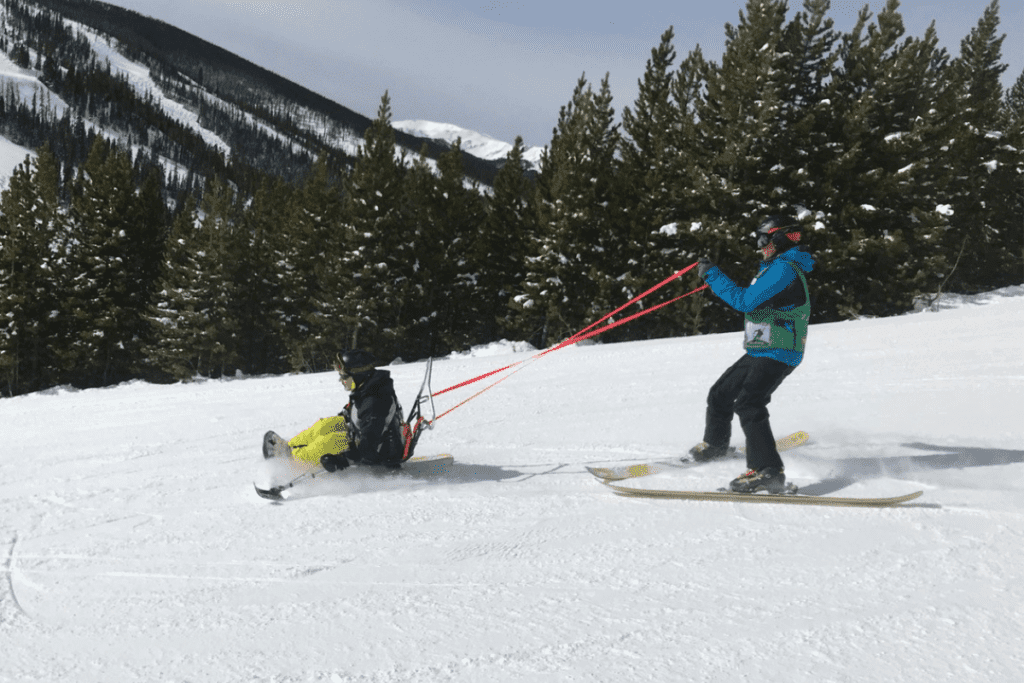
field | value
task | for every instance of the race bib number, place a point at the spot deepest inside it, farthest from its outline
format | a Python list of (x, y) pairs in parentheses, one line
[(757, 334)]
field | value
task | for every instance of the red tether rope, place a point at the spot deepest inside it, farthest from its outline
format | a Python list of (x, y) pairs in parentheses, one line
[(585, 333)]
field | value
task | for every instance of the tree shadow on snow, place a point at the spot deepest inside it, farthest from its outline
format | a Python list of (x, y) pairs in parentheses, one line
[(846, 472)]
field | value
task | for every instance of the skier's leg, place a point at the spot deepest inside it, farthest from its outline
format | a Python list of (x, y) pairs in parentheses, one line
[(327, 436), (721, 403), (751, 405)]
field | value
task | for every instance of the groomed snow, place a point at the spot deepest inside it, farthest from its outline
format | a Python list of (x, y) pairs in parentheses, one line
[(133, 548)]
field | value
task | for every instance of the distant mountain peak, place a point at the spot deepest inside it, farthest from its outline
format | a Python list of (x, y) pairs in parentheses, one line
[(479, 145)]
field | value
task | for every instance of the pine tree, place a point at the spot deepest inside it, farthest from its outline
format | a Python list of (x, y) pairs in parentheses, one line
[(266, 334), (569, 281), (740, 115), (509, 226), (31, 223), (982, 169), (196, 315), (430, 278), (1013, 116), (101, 299), (656, 151), (318, 275), (806, 65), (381, 261), (145, 251), (449, 215), (881, 245), (741, 118), (176, 315)]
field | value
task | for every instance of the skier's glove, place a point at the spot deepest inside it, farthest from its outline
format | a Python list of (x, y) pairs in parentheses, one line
[(704, 264), (333, 463)]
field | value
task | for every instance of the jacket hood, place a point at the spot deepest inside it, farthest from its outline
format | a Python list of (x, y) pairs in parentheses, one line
[(374, 381), (798, 256)]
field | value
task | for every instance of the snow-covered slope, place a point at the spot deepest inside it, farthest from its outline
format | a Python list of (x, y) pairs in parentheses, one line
[(139, 77), (327, 126), (29, 88), (477, 144), (26, 84), (11, 156), (132, 546)]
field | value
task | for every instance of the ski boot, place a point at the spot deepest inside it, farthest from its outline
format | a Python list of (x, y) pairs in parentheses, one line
[(704, 452), (275, 447), (770, 479)]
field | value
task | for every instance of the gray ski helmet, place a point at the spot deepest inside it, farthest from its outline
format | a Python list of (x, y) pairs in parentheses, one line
[(357, 362)]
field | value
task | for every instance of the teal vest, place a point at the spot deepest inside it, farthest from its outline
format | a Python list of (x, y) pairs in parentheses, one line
[(768, 328)]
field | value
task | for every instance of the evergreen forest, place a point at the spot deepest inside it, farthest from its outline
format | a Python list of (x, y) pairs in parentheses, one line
[(904, 164)]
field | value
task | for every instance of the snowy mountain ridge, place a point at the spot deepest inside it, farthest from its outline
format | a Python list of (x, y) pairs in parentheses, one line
[(477, 144), (237, 106)]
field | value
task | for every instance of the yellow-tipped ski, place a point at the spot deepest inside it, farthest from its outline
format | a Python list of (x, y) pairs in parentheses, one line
[(642, 470)]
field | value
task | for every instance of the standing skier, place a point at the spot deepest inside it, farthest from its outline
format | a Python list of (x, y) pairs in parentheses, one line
[(369, 429), (777, 308)]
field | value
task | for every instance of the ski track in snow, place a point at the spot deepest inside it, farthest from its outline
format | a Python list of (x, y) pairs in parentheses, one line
[(133, 547)]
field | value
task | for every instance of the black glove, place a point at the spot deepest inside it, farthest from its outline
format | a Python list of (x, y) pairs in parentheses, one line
[(333, 463), (704, 264)]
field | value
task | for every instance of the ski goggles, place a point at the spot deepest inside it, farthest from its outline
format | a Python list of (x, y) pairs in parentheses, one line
[(343, 376), (764, 238)]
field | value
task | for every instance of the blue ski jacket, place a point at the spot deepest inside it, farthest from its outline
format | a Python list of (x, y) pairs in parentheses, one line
[(776, 286)]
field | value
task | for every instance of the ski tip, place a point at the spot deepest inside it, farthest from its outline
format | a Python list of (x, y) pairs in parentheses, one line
[(269, 494)]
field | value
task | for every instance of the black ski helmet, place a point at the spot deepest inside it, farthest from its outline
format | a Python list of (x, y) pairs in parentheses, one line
[(356, 363), (777, 233)]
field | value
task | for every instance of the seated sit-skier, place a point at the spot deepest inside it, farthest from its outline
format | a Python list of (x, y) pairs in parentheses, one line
[(369, 429), (777, 308)]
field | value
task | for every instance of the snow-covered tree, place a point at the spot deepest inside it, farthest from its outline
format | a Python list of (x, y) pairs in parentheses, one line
[(195, 313), (499, 252), (268, 314), (380, 252), (443, 222), (882, 218), (657, 151), (569, 279), (103, 297), (985, 233), (317, 276), (32, 224)]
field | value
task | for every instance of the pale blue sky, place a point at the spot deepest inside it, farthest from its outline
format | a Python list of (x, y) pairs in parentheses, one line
[(502, 67)]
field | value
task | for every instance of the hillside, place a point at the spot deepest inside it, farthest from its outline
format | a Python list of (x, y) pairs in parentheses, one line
[(10, 156), (134, 549), (192, 105)]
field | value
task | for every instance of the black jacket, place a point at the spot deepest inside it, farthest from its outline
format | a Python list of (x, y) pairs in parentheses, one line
[(376, 421)]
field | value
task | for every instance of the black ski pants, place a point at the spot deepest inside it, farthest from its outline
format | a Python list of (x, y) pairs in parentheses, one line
[(745, 389)]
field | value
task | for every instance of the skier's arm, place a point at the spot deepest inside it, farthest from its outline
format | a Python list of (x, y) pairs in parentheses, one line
[(747, 299)]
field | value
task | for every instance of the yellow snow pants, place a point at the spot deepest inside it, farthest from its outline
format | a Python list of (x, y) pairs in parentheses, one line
[(327, 436)]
